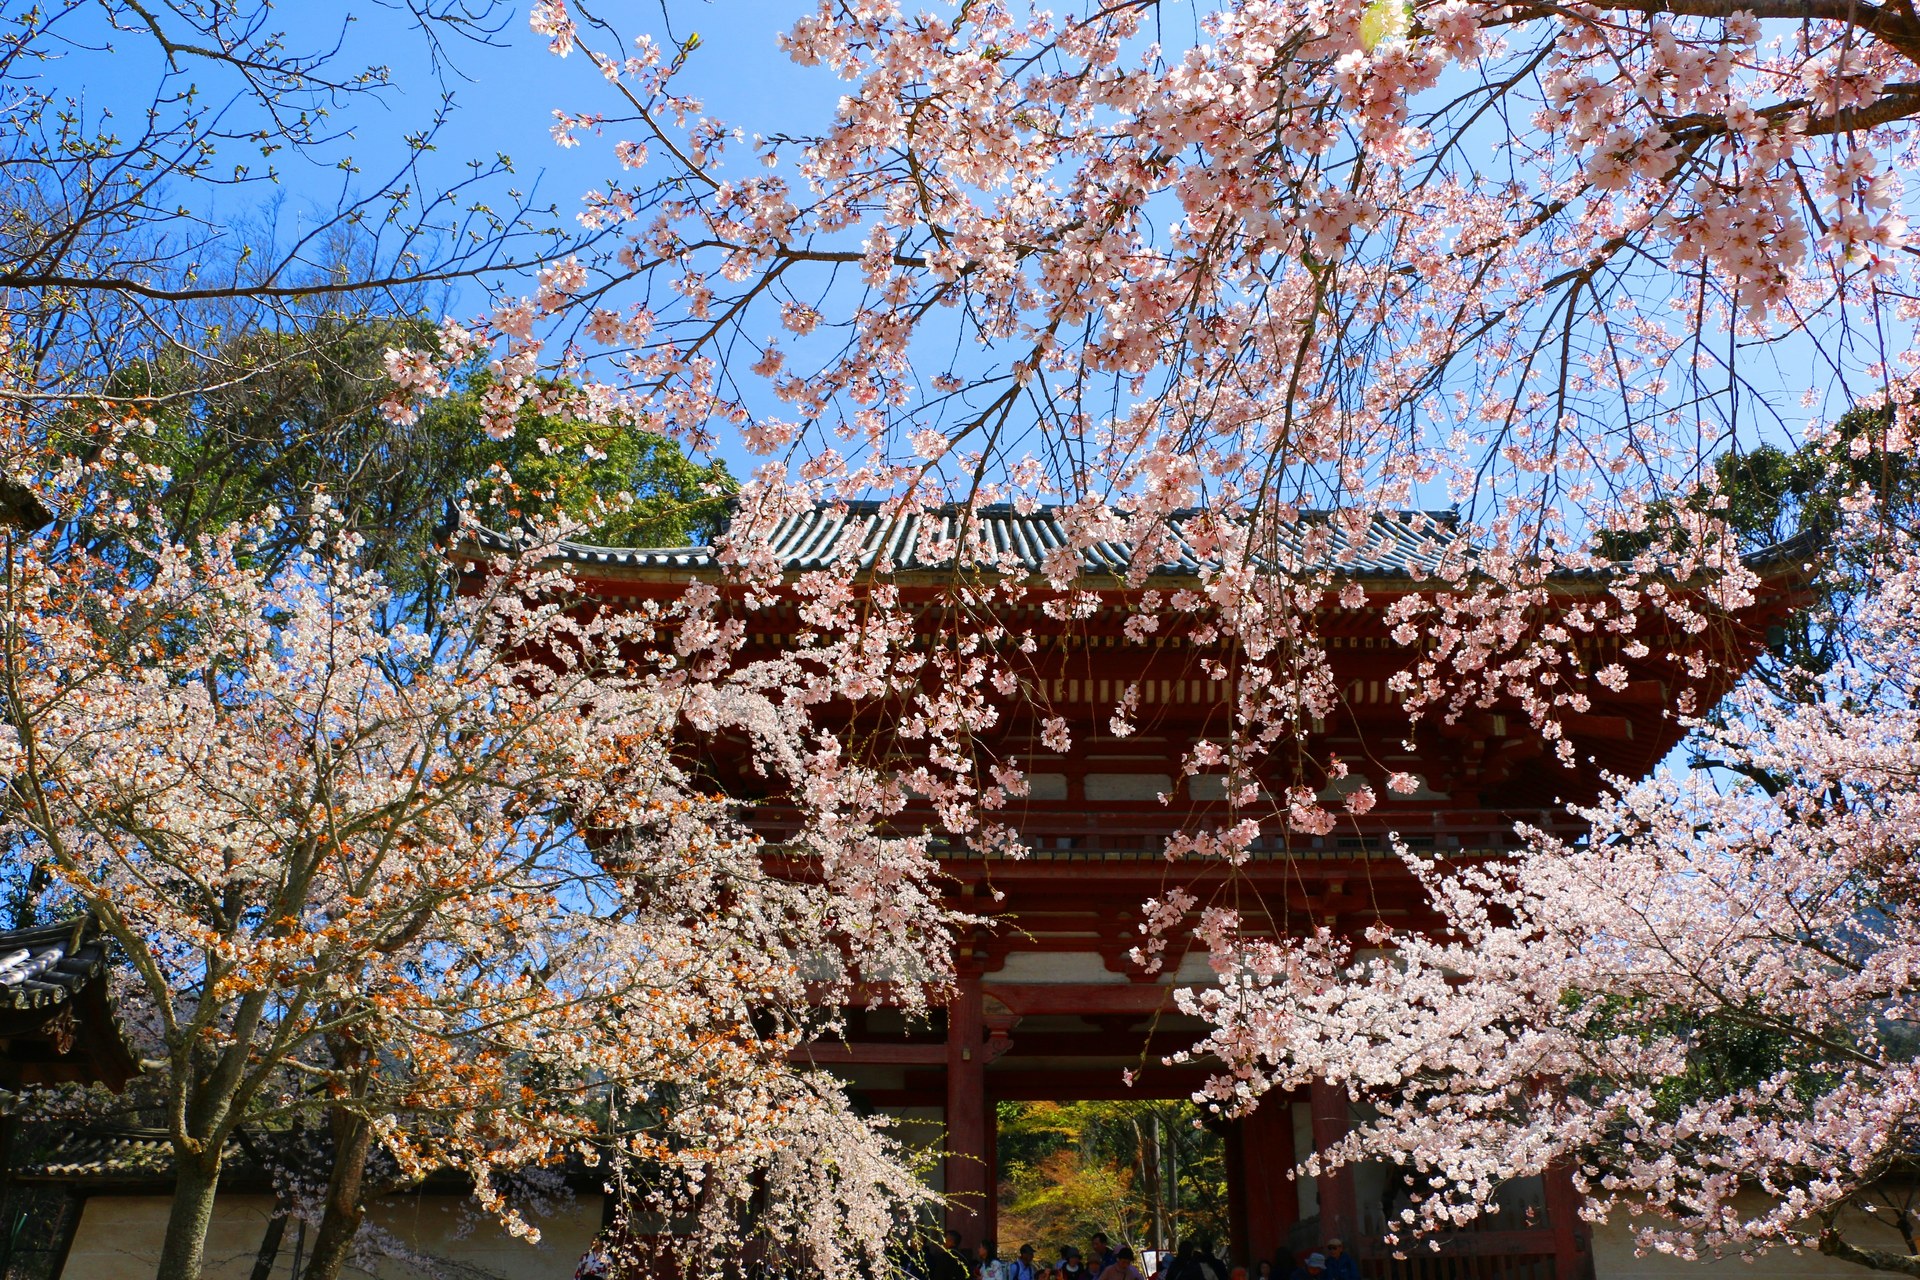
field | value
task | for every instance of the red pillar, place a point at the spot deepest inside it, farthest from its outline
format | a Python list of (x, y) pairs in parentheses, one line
[(968, 1173), (1572, 1258), (1339, 1200), (1233, 1142), (1272, 1200)]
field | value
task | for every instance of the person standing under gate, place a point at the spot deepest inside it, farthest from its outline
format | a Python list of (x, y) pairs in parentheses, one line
[(1122, 1267), (1340, 1263), (1211, 1266), (1022, 1267), (1186, 1263), (948, 1260), (596, 1263), (1101, 1256)]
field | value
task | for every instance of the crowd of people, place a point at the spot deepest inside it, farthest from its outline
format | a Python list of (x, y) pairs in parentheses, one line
[(1103, 1260)]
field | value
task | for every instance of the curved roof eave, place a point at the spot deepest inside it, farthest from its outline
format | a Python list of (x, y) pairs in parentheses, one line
[(1405, 551)]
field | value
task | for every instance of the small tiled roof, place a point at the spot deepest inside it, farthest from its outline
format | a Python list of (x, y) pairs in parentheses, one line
[(57, 1023), (49, 964), (1393, 545), (109, 1154)]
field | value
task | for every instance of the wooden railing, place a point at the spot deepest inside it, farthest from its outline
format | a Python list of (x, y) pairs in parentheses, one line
[(1460, 1267), (1526, 1253), (1478, 1252)]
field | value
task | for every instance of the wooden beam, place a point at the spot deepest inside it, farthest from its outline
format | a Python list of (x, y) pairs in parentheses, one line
[(1045, 1084), (1271, 1199), (896, 1099), (1529, 1242), (833, 1053), (1100, 1044), (1025, 998)]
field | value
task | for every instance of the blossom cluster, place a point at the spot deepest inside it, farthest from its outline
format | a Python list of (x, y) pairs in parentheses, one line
[(460, 889), (1706, 1007)]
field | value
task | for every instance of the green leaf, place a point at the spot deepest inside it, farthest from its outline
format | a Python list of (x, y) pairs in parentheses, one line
[(1385, 20)]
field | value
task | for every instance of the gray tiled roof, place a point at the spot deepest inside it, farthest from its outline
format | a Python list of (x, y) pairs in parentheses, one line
[(132, 1153), (1393, 545), (49, 964), (1398, 545)]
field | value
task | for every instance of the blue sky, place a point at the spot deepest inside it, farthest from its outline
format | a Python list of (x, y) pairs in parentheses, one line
[(504, 95), (508, 100)]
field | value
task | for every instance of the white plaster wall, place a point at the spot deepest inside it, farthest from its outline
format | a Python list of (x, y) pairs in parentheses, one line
[(1089, 968), (1195, 971), (1126, 786), (1300, 1117), (923, 1129), (1056, 966), (1613, 1256), (119, 1239), (446, 1227)]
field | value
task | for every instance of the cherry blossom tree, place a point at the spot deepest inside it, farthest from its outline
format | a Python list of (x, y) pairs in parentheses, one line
[(452, 895), (1247, 259), (1707, 1007), (1256, 251), (1543, 263), (1347, 255)]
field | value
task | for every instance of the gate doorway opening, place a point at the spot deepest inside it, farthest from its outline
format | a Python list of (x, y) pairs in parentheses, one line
[(1142, 1171)]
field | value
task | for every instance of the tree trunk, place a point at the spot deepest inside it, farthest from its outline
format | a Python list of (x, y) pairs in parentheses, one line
[(283, 1208), (270, 1245), (183, 1249), (346, 1197), (1834, 1246), (1156, 1182)]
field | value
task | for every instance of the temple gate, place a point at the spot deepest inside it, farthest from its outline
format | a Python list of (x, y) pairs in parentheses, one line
[(1049, 1005)]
